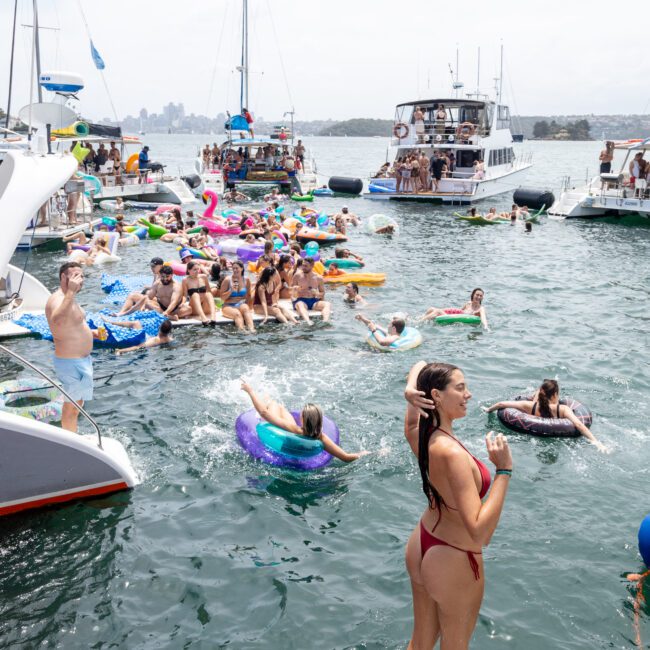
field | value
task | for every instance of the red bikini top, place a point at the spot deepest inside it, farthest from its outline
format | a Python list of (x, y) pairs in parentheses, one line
[(486, 479)]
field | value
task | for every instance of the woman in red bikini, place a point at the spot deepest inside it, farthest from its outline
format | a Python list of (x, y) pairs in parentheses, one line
[(443, 554)]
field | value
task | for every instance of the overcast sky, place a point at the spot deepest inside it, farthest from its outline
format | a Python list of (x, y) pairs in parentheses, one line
[(343, 58)]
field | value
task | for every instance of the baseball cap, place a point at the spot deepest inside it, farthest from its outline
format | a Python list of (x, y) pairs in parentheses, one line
[(185, 252), (155, 261)]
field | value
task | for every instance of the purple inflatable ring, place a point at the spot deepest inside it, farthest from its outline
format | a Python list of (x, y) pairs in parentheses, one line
[(246, 428), (535, 425)]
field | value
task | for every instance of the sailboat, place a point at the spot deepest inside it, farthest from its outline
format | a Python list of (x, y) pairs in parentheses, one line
[(252, 160)]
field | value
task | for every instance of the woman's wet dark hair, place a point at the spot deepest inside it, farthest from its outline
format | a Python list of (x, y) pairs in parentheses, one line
[(549, 388), (284, 259), (165, 328), (474, 292), (266, 275), (191, 265), (438, 376), (215, 273)]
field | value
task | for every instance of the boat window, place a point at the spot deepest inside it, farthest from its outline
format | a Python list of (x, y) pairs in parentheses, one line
[(503, 117), (466, 158), (469, 114), (490, 114)]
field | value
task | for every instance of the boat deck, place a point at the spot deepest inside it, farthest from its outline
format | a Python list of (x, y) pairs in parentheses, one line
[(44, 234), (442, 197)]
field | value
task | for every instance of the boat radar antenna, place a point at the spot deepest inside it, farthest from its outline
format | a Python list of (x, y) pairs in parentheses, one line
[(455, 84)]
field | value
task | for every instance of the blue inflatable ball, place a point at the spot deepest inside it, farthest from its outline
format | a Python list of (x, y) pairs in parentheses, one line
[(312, 248), (644, 540)]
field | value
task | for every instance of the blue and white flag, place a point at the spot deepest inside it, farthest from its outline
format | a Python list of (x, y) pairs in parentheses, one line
[(99, 62)]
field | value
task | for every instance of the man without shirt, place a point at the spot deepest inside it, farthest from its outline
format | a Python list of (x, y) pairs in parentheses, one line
[(309, 292), (73, 342)]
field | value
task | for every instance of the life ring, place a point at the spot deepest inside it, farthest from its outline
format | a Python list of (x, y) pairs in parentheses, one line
[(466, 125), (535, 425), (401, 130), (50, 405), (276, 446), (467, 319), (410, 338), (132, 164)]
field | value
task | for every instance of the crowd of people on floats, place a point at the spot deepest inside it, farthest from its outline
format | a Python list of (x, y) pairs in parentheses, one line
[(463, 502)]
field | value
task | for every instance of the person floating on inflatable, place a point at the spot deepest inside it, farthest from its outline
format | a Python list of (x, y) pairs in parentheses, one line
[(546, 404), (384, 337), (311, 418), (474, 307)]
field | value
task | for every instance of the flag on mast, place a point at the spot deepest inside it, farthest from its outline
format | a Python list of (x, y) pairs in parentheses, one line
[(99, 62)]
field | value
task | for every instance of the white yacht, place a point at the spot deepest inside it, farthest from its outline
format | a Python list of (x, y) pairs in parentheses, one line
[(615, 193), (474, 134), (42, 464)]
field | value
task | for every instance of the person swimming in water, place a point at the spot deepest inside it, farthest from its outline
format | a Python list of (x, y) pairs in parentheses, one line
[(352, 295), (311, 426), (546, 404), (473, 307), (163, 337)]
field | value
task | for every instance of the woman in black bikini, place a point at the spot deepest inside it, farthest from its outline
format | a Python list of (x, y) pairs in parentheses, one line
[(196, 289), (446, 568)]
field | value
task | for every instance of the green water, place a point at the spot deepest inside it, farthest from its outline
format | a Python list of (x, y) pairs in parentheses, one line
[(214, 549)]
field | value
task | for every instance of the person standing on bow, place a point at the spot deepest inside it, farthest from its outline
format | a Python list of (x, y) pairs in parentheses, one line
[(73, 342)]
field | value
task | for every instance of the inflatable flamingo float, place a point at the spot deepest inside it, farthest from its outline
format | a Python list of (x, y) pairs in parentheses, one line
[(208, 219)]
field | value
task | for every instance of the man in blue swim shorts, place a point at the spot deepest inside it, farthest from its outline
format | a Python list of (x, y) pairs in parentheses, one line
[(73, 342), (309, 291)]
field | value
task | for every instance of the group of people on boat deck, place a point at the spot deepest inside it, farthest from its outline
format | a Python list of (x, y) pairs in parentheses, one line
[(267, 157)]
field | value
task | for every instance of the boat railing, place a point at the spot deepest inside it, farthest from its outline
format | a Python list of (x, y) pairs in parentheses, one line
[(47, 378), (436, 131)]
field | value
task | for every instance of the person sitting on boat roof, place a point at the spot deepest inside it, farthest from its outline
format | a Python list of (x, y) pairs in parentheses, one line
[(249, 119)]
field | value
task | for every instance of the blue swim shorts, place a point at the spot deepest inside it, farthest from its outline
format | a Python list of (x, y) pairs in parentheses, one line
[(310, 302), (76, 377)]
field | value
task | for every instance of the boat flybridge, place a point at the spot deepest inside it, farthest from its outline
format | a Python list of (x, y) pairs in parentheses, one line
[(40, 463), (472, 134), (615, 193)]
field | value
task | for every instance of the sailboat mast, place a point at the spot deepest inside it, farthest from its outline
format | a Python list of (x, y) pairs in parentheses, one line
[(11, 67), (501, 75), (37, 46), (244, 57)]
